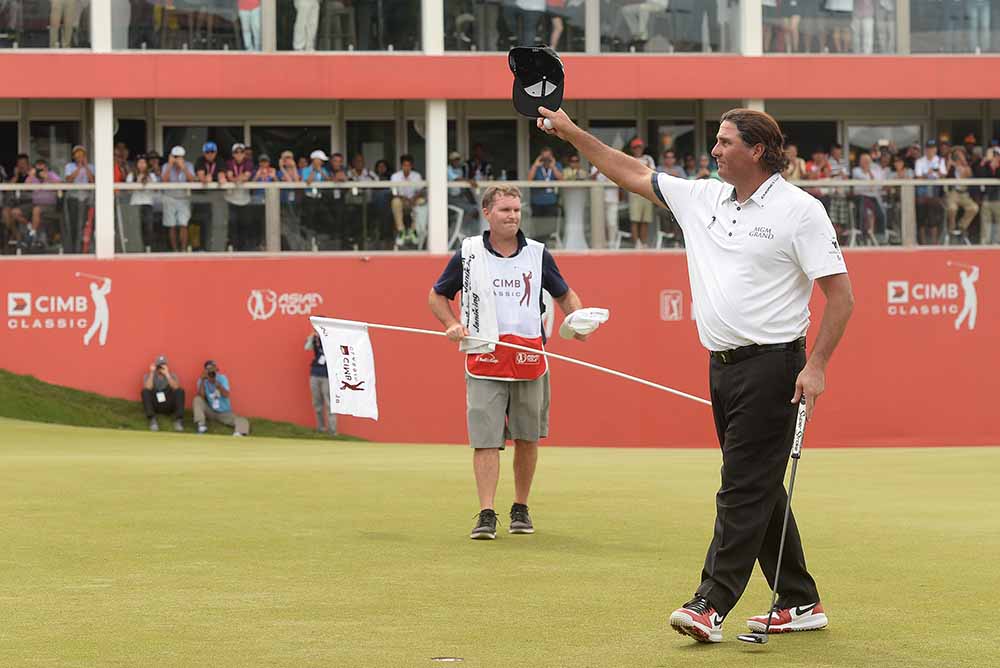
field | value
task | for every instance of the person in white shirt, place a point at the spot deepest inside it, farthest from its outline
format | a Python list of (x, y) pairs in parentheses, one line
[(144, 200), (930, 212), (405, 200), (754, 250), (869, 198)]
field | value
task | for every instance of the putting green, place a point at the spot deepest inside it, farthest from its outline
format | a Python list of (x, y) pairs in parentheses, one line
[(140, 549)]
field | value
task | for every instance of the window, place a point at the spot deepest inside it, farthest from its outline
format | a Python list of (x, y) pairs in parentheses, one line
[(132, 133), (471, 25), (214, 25), (498, 139), (37, 25), (676, 135), (300, 140), (807, 136), (955, 132), (8, 145), (863, 137), (951, 27), (666, 26), (312, 25), (376, 140), (53, 140), (840, 26), (192, 138), (416, 145)]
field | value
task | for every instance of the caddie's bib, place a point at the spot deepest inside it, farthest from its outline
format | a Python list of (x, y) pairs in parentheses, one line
[(517, 287)]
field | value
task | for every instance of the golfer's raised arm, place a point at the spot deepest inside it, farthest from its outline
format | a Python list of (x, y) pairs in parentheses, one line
[(623, 169)]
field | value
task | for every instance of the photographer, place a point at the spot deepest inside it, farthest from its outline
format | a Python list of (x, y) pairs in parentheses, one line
[(212, 401), (177, 203), (162, 393), (46, 217), (545, 201)]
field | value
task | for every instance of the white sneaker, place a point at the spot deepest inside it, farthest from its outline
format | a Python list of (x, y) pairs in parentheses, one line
[(202, 429), (799, 618), (236, 433)]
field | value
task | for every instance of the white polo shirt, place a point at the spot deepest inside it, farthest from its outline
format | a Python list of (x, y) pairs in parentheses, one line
[(751, 264)]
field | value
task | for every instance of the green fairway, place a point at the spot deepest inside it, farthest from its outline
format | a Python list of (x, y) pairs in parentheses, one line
[(139, 549)]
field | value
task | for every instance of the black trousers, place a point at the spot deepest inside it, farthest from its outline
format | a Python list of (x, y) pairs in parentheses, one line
[(755, 422), (174, 403)]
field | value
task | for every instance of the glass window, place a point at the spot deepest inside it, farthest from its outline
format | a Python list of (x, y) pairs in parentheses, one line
[(183, 24), (807, 136), (829, 26), (37, 25), (471, 25), (52, 141), (614, 133), (130, 138), (376, 140), (677, 136), (300, 140), (951, 27), (497, 145), (8, 146), (417, 146), (192, 138), (864, 137), (955, 132), (340, 25), (666, 26)]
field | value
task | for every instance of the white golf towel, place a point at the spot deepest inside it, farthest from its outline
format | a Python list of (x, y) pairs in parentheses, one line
[(583, 321), (350, 364), (479, 308)]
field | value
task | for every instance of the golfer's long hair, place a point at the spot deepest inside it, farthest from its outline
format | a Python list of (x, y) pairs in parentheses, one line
[(757, 127)]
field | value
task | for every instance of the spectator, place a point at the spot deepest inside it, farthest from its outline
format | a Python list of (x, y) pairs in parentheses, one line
[(705, 170), (264, 173), (690, 166), (213, 401), (242, 233), (979, 25), (45, 218), (315, 216), (382, 203), (319, 386), (958, 196), (574, 204), (670, 165), (838, 19), (640, 209), (291, 229), (306, 23), (143, 200), (209, 205), (796, 169), (840, 207), (478, 167), (989, 208), (863, 26), (544, 201), (357, 202), (122, 166), (885, 25), (612, 197), (530, 12), (177, 203), (18, 206), (869, 198), (818, 169), (249, 12), (337, 200), (462, 197), (62, 23), (78, 202), (162, 393), (405, 200), (930, 166), (792, 18)]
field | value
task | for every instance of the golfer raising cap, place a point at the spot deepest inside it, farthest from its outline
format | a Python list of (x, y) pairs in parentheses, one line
[(501, 275), (755, 244)]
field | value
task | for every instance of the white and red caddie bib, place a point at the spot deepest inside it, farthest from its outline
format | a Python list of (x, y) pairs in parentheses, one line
[(517, 286)]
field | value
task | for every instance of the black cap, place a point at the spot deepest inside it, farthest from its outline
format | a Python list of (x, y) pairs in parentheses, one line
[(538, 79), (209, 363)]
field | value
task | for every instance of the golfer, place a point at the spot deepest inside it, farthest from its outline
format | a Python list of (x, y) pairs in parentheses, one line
[(755, 245), (501, 275)]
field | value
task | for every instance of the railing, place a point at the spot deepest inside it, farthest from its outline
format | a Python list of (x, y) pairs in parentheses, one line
[(374, 216)]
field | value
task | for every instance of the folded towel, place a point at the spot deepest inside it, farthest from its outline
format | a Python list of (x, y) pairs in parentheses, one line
[(479, 308), (583, 321)]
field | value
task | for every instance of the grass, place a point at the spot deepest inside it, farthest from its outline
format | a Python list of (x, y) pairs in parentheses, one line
[(27, 398), (134, 549)]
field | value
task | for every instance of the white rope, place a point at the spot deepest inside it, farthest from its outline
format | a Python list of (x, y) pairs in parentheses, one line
[(595, 367)]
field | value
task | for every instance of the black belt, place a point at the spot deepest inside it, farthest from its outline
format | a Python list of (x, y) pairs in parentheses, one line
[(739, 354)]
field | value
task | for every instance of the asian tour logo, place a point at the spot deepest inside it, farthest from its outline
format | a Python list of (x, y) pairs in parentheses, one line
[(263, 304), (34, 311), (948, 299)]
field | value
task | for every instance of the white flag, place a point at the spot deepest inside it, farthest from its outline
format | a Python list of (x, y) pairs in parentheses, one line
[(350, 363)]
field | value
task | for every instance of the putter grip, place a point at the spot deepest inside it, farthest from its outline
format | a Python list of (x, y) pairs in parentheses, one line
[(547, 123), (800, 429)]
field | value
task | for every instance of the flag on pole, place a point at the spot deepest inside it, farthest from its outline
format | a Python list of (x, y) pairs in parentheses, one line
[(350, 364)]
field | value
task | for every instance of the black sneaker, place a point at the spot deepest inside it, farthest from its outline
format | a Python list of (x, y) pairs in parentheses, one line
[(520, 521), (486, 526)]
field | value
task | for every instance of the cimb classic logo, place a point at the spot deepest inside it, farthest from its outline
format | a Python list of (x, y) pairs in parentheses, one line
[(32, 311), (923, 298), (262, 304)]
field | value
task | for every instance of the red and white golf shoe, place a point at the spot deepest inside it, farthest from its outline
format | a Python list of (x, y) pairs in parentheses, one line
[(699, 620), (798, 618)]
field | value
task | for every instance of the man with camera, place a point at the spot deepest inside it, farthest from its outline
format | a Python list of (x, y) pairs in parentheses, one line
[(177, 203), (162, 393), (212, 401)]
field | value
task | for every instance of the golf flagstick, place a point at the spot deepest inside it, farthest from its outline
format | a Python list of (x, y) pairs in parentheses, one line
[(800, 430), (354, 323)]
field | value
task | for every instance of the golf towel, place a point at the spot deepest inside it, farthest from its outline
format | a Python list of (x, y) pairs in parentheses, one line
[(479, 309)]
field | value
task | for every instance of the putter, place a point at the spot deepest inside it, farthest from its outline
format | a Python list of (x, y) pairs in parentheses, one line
[(800, 430)]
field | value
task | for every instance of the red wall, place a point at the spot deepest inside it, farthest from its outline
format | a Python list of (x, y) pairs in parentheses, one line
[(896, 379)]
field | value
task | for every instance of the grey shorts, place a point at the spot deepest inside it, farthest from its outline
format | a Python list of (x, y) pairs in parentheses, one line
[(499, 410)]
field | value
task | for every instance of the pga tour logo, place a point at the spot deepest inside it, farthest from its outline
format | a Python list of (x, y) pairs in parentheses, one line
[(34, 311), (671, 305), (263, 304), (937, 298)]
